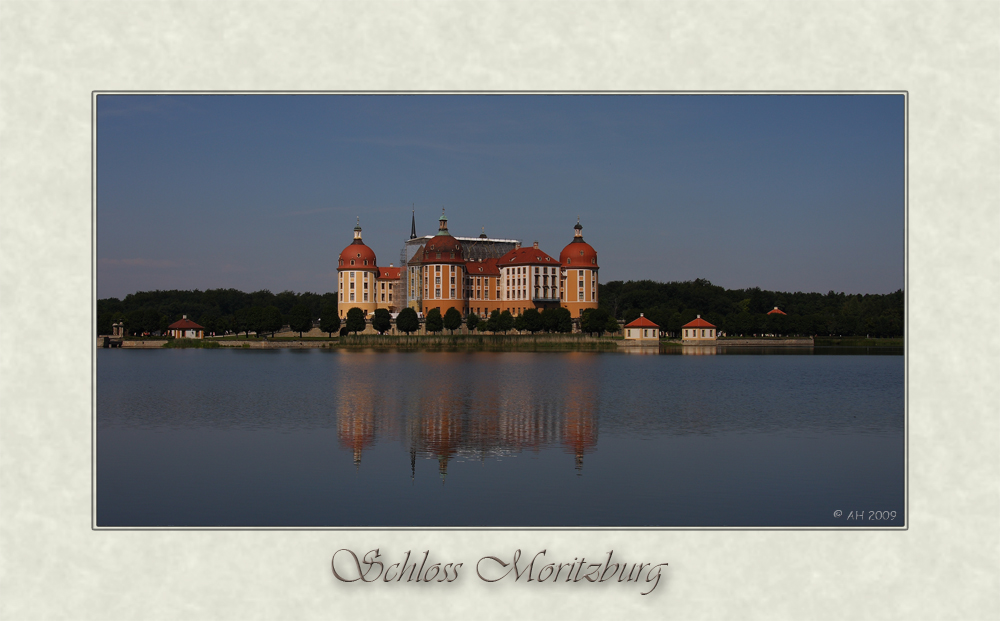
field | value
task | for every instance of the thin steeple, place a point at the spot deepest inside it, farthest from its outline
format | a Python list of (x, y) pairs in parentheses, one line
[(443, 224), (413, 224), (357, 232)]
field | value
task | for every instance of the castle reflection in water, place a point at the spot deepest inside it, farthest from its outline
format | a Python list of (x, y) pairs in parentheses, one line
[(455, 417)]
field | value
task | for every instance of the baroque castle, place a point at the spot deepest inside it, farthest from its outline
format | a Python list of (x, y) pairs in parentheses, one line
[(470, 274)]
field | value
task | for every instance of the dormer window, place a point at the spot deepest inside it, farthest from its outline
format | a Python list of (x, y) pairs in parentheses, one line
[(352, 261), (569, 261), (439, 255), (594, 260)]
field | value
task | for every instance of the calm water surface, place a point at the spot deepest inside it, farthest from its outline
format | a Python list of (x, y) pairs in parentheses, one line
[(340, 438)]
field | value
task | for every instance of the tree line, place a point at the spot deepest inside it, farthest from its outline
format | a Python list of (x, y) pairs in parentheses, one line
[(407, 321), (735, 312), (217, 310), (743, 312)]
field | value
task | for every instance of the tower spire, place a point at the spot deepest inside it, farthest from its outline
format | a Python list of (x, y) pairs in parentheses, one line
[(413, 224), (443, 224)]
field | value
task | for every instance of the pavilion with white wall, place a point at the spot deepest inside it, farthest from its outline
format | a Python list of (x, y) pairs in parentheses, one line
[(698, 330), (642, 329), (186, 329)]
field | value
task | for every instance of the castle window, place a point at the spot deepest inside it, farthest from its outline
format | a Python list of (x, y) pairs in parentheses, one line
[(352, 261), (352, 297)]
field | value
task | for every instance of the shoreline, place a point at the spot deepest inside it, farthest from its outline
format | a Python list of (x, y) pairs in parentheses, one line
[(498, 342)]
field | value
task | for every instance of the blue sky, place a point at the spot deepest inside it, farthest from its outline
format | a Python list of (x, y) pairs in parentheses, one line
[(784, 192)]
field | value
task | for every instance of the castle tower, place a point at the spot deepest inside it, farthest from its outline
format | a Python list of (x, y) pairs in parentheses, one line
[(356, 276), (442, 272), (579, 267)]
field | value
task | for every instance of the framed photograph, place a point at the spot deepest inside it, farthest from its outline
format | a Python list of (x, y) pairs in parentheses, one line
[(518, 310)]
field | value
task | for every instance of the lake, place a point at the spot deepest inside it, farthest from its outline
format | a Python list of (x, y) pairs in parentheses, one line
[(332, 438)]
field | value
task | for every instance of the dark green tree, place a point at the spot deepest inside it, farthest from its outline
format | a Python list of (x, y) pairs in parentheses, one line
[(493, 322), (256, 319), (631, 315), (505, 321), (612, 325), (225, 324), (594, 321), (241, 322), (299, 318), (273, 321), (152, 320), (452, 320), (562, 319), (329, 322), (407, 321), (434, 321), (472, 321), (533, 320), (519, 323), (355, 320), (381, 320)]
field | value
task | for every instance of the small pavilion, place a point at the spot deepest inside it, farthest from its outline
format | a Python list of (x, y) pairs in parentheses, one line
[(186, 329), (642, 329), (698, 330)]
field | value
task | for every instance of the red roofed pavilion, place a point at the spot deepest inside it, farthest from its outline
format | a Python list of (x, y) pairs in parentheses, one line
[(186, 329), (776, 311), (698, 330), (642, 329)]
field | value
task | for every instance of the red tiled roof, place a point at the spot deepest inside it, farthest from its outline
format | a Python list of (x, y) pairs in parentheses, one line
[(776, 311), (389, 273), (698, 323), (359, 253), (484, 268), (641, 322), (444, 245), (528, 255), (184, 324)]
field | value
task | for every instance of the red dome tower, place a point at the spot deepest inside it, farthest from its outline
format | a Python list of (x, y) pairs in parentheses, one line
[(579, 268), (442, 271), (356, 275)]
